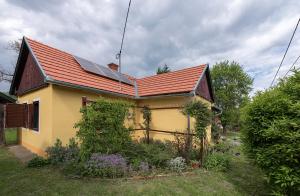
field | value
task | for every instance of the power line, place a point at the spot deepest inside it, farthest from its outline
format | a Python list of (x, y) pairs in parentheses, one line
[(290, 69), (118, 56), (285, 53)]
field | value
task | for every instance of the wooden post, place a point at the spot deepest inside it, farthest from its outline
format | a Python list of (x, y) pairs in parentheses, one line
[(2, 134), (188, 143), (84, 101)]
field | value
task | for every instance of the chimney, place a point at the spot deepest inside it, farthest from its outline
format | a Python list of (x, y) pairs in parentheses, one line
[(113, 66)]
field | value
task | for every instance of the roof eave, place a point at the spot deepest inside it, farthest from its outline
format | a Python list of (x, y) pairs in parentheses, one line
[(184, 94), (80, 87)]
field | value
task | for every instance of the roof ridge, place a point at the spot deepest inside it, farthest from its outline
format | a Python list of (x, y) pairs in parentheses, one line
[(48, 46), (171, 72)]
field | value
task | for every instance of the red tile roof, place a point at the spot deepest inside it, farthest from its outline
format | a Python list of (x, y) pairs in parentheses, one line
[(61, 66), (180, 81)]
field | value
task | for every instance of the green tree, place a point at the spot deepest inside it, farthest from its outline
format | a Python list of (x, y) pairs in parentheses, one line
[(271, 134), (232, 86), (164, 69)]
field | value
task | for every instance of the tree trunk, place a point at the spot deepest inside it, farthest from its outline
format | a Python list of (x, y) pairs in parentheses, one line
[(148, 136)]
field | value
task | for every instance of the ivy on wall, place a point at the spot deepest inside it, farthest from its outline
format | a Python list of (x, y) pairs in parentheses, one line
[(102, 129), (147, 119), (202, 114)]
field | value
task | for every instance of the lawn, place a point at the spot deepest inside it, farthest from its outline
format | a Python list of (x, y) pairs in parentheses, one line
[(242, 179), (11, 136)]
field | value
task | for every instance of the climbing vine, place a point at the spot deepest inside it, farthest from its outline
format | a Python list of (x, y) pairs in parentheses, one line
[(200, 111), (147, 119)]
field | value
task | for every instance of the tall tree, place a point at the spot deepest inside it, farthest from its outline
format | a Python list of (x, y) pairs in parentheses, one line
[(164, 69), (6, 73), (232, 86)]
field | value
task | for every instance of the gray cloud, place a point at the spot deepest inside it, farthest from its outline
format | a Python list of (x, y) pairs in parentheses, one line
[(178, 33)]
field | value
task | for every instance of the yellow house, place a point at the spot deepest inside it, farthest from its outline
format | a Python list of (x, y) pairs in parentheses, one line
[(50, 85)]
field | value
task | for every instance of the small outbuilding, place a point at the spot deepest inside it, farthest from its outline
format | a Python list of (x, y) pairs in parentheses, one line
[(51, 86)]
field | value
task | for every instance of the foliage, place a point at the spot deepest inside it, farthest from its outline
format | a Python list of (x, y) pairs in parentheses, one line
[(38, 162), (102, 165), (215, 131), (223, 147), (147, 119), (59, 154), (200, 111), (216, 161), (102, 129), (156, 153), (232, 86), (272, 133), (177, 164), (56, 153), (164, 69), (183, 146)]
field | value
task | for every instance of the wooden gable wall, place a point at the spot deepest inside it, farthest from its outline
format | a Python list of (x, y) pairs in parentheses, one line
[(204, 89), (31, 78)]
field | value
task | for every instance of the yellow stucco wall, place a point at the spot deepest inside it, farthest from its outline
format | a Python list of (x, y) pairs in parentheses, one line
[(60, 110), (167, 119), (38, 141)]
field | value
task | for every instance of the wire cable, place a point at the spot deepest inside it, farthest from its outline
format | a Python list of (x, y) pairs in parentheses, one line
[(290, 69), (285, 53), (118, 56)]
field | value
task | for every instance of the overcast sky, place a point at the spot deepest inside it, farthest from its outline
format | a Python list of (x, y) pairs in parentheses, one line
[(173, 32)]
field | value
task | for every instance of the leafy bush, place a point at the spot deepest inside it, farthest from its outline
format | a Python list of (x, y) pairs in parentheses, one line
[(271, 133), (177, 164), (202, 114), (156, 153), (102, 165), (216, 161), (101, 129), (37, 162), (56, 153), (59, 154), (223, 147)]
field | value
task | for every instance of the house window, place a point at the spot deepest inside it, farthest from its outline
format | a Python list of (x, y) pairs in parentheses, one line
[(36, 108)]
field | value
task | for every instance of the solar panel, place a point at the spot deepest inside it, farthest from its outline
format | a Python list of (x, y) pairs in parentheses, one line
[(101, 70)]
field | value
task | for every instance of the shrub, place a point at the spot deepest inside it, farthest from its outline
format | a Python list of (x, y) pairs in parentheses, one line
[(56, 153), (102, 165), (223, 147), (59, 154), (271, 133), (101, 129), (177, 164), (216, 161), (37, 162), (156, 153), (144, 168)]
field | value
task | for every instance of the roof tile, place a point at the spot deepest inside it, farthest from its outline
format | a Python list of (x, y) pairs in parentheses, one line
[(62, 66)]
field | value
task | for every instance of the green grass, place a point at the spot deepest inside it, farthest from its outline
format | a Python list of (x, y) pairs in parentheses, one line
[(241, 179), (11, 136)]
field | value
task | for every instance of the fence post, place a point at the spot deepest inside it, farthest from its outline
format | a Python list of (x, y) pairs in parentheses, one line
[(2, 135), (188, 137)]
